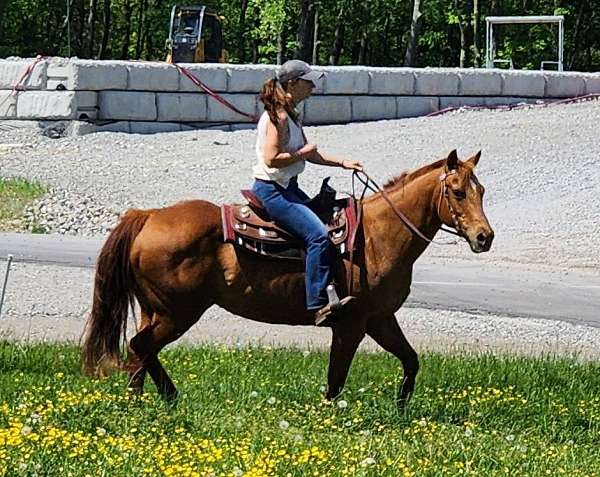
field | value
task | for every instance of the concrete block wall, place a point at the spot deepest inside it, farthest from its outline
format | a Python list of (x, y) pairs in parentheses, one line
[(137, 96)]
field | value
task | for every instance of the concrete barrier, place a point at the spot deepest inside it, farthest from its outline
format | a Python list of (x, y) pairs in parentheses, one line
[(115, 105), (12, 70), (142, 97), (327, 110), (181, 107), (373, 108), (413, 106), (436, 82), (392, 81), (564, 85), (523, 83)]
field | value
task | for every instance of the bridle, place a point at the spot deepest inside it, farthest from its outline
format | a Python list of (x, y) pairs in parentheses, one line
[(370, 184), (444, 193)]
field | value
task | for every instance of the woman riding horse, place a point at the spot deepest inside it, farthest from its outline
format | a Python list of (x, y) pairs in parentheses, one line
[(282, 149)]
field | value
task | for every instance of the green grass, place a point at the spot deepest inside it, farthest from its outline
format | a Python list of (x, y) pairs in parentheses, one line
[(260, 412), (15, 195)]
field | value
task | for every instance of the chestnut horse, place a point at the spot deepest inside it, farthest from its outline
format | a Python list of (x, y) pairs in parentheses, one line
[(175, 263)]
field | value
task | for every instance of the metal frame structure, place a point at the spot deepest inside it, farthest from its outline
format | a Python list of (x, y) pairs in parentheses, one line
[(489, 40)]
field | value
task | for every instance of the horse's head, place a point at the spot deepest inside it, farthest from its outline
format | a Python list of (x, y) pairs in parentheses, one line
[(461, 202)]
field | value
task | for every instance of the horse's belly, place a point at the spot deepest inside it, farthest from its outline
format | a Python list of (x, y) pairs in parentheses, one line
[(268, 309)]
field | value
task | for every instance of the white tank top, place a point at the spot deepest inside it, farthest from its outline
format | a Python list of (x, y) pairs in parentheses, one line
[(281, 175)]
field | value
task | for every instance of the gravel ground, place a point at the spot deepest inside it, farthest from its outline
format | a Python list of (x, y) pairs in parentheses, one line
[(539, 166), (51, 303)]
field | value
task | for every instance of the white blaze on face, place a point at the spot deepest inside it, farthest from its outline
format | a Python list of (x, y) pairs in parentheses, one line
[(473, 185)]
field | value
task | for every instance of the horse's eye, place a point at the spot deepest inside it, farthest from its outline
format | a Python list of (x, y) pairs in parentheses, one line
[(459, 194)]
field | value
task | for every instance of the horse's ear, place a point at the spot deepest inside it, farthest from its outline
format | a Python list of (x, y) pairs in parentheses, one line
[(452, 161), (474, 159)]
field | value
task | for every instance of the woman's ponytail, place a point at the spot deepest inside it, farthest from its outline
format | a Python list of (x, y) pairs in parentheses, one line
[(275, 98)]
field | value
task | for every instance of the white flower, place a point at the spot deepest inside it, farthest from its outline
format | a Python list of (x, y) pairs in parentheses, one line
[(22, 466), (100, 431), (298, 437), (510, 438), (284, 425), (342, 404), (305, 353), (423, 422), (35, 417), (238, 472), (25, 430), (253, 394), (367, 461), (322, 388), (361, 390), (468, 432), (271, 400)]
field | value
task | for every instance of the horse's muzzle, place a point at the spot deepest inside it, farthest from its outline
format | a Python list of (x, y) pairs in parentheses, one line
[(482, 242)]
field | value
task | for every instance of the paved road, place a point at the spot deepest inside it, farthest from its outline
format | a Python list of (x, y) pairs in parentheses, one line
[(464, 286)]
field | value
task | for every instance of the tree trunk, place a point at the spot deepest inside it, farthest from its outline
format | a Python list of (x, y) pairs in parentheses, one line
[(81, 33), (256, 40), (476, 52), (338, 40), (140, 29), (91, 27), (386, 41), (363, 50), (305, 31), (576, 35), (280, 46), (415, 25), (106, 31), (127, 33), (242, 32), (462, 26), (316, 42)]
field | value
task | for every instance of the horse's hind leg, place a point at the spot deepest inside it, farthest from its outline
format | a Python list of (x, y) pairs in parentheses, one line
[(387, 333), (344, 343), (134, 365), (148, 343)]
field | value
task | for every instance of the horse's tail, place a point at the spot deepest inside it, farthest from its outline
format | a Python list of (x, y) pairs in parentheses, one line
[(113, 294)]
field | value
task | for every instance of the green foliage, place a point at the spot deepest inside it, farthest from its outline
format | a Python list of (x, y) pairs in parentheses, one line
[(15, 195), (375, 32)]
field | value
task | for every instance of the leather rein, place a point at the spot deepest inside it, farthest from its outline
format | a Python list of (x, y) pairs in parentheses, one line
[(370, 184)]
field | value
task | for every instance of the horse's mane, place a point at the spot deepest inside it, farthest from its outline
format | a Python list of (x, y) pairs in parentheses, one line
[(406, 177)]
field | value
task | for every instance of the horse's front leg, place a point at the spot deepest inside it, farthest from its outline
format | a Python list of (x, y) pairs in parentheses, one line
[(347, 335), (387, 333)]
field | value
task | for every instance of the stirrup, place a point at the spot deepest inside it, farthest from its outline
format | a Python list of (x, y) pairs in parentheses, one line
[(333, 307)]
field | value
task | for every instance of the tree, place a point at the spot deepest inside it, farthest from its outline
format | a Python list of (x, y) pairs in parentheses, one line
[(415, 25)]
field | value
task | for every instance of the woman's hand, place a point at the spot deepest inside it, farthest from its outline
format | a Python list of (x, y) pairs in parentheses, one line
[(351, 164)]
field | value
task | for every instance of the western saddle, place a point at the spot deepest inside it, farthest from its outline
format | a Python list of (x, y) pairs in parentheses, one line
[(249, 226)]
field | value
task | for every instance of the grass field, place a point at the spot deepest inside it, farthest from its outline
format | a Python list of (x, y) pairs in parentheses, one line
[(260, 412), (15, 194)]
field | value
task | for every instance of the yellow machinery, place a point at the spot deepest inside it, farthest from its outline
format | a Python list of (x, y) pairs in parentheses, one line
[(195, 36)]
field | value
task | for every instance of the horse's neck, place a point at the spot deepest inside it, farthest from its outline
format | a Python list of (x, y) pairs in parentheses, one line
[(390, 247)]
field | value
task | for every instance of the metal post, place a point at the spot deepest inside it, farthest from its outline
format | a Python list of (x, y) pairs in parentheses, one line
[(10, 259), (561, 33), (487, 44)]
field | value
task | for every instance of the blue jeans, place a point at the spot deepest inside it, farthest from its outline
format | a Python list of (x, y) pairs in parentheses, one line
[(287, 207)]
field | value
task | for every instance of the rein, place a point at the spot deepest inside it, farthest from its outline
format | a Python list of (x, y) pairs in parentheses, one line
[(370, 184)]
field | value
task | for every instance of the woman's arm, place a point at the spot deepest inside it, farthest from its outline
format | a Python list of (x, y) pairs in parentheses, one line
[(276, 142), (323, 159), (328, 160)]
